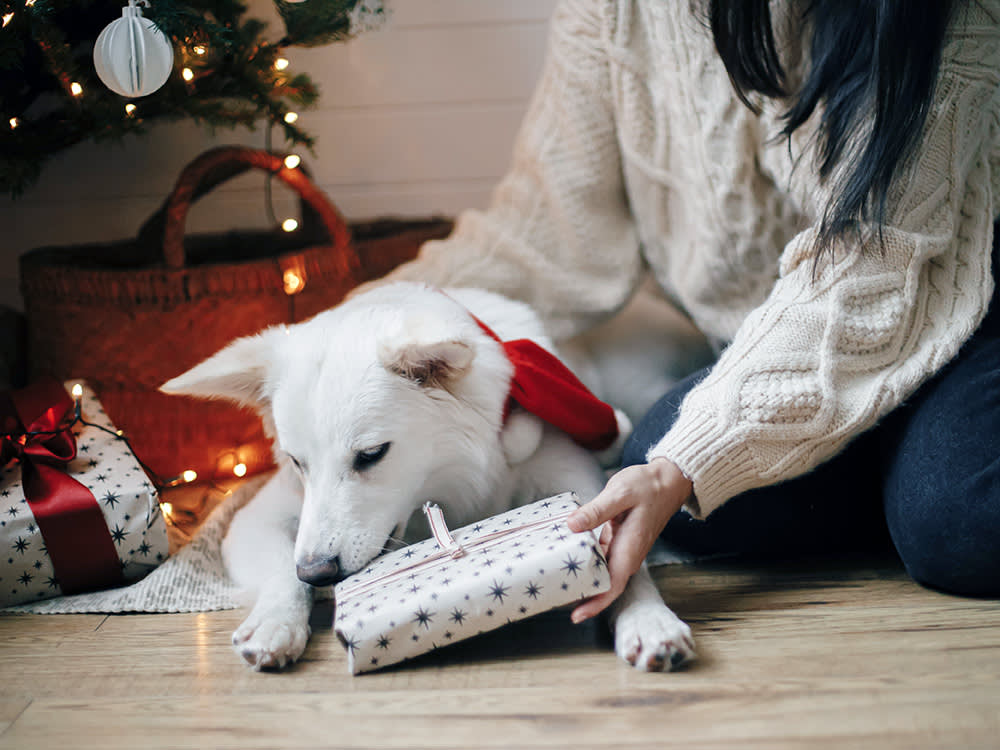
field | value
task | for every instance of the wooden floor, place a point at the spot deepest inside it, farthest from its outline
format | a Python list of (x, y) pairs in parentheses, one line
[(806, 655)]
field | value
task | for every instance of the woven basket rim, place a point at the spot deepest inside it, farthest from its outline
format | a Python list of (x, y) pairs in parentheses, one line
[(61, 257), (41, 281), (388, 228), (58, 272)]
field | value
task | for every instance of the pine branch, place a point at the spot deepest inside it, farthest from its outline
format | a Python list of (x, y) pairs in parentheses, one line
[(47, 47)]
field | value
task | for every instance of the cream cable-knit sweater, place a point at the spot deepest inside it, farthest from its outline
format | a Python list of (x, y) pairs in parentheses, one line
[(636, 153)]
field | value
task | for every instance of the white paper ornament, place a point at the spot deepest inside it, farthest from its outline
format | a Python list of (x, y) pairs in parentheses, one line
[(132, 56)]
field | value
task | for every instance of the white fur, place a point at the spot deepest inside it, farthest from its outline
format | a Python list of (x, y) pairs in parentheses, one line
[(406, 365)]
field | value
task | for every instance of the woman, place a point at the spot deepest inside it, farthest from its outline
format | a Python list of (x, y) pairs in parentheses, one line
[(815, 185)]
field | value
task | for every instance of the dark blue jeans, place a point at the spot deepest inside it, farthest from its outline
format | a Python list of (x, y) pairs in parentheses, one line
[(927, 477)]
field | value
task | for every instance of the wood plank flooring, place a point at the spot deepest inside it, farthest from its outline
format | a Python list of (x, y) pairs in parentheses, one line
[(808, 654)]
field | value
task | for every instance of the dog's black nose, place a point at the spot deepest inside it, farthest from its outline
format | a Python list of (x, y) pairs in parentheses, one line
[(319, 571)]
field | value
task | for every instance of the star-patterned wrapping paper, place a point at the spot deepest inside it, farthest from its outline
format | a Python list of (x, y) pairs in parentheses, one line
[(420, 598), (127, 499)]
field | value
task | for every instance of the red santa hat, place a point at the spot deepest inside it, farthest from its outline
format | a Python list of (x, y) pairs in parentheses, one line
[(544, 386)]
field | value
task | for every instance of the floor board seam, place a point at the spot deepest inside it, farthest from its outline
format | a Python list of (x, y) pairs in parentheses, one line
[(15, 719)]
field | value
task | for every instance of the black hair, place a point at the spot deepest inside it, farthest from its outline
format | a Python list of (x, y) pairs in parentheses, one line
[(866, 56)]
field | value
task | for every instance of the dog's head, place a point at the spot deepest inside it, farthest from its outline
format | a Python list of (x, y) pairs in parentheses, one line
[(393, 398)]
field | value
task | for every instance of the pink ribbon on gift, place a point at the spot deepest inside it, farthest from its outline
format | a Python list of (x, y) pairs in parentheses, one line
[(435, 517), (447, 551)]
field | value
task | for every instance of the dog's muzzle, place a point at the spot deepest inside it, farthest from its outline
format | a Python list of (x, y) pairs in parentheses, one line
[(320, 572)]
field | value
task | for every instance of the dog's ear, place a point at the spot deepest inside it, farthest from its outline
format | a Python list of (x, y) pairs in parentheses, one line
[(238, 373), (436, 364)]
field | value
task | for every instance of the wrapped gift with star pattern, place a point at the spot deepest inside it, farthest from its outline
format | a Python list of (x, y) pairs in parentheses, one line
[(459, 584), (77, 511)]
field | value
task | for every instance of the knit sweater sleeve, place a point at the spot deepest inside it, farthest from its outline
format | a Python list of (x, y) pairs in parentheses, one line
[(558, 233), (826, 356)]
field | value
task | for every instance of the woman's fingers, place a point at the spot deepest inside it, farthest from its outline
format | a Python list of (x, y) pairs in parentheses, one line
[(593, 606), (628, 549), (601, 509), (611, 502), (635, 506), (607, 534)]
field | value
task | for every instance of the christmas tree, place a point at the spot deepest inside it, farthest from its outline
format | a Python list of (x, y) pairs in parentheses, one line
[(226, 72)]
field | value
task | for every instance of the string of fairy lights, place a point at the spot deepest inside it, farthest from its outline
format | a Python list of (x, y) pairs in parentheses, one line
[(76, 391), (194, 66), (217, 66), (196, 63), (189, 72), (187, 477)]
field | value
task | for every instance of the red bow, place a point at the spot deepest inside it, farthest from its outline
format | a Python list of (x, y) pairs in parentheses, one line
[(545, 387), (36, 433)]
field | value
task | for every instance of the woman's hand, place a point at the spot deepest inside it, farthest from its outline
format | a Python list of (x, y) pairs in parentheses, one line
[(637, 502)]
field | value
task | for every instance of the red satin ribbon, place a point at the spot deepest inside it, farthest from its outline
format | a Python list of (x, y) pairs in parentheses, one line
[(67, 513), (547, 388)]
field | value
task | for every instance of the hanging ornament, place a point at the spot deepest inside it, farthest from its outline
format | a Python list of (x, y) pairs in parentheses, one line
[(132, 56)]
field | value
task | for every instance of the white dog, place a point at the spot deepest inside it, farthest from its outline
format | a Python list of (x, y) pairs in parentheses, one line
[(395, 397)]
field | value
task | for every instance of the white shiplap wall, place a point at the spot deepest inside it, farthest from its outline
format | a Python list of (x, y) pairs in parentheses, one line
[(414, 119)]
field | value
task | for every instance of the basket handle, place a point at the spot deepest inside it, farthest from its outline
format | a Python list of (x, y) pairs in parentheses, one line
[(219, 164)]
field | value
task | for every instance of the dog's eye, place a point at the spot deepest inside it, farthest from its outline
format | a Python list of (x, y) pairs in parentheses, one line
[(370, 456), (298, 464)]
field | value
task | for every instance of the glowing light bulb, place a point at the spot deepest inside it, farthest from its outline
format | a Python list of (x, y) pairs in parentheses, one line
[(77, 390), (240, 469), (14, 122), (7, 18), (291, 117), (189, 475), (199, 49), (292, 161), (75, 88), (187, 74), (289, 225), (130, 109), (280, 64), (293, 282), (28, 3)]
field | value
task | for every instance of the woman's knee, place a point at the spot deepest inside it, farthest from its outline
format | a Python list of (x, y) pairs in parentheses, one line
[(941, 488), (948, 535)]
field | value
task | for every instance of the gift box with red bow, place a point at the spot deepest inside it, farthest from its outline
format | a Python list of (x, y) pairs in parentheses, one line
[(77, 511), (463, 583)]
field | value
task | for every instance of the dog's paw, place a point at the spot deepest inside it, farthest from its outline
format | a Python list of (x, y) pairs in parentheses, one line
[(270, 642), (653, 639)]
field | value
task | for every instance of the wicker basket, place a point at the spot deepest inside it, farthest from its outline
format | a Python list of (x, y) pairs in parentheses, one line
[(128, 316)]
